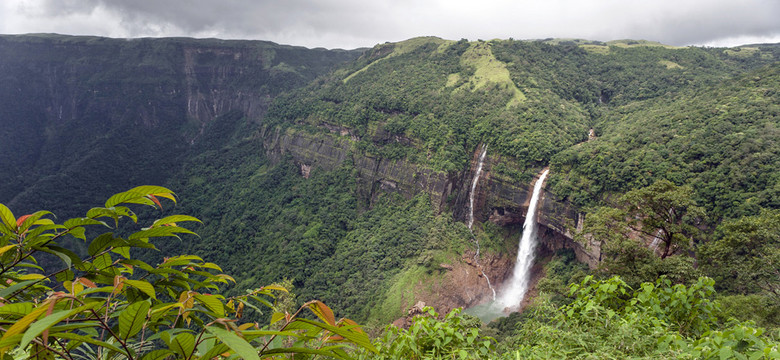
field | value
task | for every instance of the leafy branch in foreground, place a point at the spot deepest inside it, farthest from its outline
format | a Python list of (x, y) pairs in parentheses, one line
[(109, 305)]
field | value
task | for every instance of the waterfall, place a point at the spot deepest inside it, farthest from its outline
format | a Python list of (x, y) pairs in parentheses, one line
[(656, 241), (474, 182), (514, 292)]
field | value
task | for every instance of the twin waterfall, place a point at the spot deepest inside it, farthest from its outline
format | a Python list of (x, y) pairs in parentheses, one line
[(514, 292), (474, 182)]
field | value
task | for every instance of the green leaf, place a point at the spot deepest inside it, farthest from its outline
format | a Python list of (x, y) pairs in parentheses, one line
[(87, 339), (138, 195), (7, 342), (276, 317), (123, 251), (174, 219), (160, 232), (179, 260), (242, 348), (212, 303), (183, 344), (78, 233), (63, 256), (21, 325), (144, 286), (8, 217), (132, 318), (87, 325), (74, 258), (100, 243), (76, 222), (212, 350), (357, 337), (48, 321), (159, 355), (15, 310), (4, 293), (102, 262), (33, 219), (138, 263), (326, 351), (114, 213), (6, 248), (725, 352)]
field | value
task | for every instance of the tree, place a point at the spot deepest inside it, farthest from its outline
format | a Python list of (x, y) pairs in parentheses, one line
[(660, 211), (745, 258), (665, 211), (109, 304)]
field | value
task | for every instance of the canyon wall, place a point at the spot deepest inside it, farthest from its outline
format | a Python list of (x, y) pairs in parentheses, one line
[(498, 200)]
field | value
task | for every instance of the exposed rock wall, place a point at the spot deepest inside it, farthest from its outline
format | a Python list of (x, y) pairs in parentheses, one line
[(375, 175), (498, 200)]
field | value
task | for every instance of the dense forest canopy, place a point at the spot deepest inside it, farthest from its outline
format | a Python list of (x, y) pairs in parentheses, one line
[(344, 175)]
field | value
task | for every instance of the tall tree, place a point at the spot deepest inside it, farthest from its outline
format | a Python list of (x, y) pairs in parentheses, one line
[(664, 211)]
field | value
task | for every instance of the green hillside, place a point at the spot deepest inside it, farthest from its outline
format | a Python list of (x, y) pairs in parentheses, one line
[(346, 174)]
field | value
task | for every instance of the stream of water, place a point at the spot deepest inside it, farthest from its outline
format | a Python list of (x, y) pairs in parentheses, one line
[(474, 182), (514, 291)]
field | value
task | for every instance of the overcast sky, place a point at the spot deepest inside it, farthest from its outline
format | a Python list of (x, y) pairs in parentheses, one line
[(362, 23)]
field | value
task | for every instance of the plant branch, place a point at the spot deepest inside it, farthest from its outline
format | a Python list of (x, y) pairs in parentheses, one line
[(113, 334)]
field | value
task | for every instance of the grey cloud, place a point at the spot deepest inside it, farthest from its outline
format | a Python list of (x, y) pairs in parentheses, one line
[(352, 23)]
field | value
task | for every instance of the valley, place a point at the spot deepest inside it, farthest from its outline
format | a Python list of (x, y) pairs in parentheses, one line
[(374, 179)]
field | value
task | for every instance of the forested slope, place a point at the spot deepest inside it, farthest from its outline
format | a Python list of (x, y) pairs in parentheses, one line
[(194, 115)]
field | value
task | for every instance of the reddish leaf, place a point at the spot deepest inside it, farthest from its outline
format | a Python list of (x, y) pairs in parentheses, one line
[(323, 312), (21, 219), (86, 282), (154, 198)]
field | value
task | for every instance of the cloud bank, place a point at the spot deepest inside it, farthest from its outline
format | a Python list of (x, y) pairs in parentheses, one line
[(360, 23)]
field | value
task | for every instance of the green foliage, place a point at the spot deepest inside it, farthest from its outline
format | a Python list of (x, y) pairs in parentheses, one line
[(720, 139), (663, 212), (745, 254), (431, 338), (110, 304), (609, 319)]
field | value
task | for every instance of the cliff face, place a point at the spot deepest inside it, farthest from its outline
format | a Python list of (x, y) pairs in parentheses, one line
[(497, 200), (86, 112), (375, 175)]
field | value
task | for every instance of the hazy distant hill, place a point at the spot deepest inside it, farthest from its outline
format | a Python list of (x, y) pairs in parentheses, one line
[(80, 112)]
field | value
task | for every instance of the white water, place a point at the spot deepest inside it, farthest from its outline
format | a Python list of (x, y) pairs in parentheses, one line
[(515, 290), (656, 240), (474, 182)]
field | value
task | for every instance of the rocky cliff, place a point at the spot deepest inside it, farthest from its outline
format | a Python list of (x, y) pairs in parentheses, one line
[(497, 200)]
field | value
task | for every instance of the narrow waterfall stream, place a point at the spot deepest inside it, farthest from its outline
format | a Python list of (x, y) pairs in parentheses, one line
[(474, 181), (514, 292), (515, 289)]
